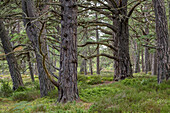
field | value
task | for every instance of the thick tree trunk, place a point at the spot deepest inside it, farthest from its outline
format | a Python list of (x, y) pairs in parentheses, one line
[(125, 67), (67, 89), (32, 32), (12, 62), (30, 66), (115, 54), (162, 39)]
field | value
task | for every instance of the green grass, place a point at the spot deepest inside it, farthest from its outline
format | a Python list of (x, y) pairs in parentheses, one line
[(134, 95)]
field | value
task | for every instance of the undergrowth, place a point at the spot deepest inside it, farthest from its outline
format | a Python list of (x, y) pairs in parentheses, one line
[(139, 94)]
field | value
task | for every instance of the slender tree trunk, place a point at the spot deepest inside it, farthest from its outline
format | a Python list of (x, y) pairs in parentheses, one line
[(97, 38), (146, 60), (30, 66), (33, 32), (162, 39), (143, 66), (90, 62), (12, 62), (89, 51), (154, 64), (83, 67), (68, 90), (137, 58)]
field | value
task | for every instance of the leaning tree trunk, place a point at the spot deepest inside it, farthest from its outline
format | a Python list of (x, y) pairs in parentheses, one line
[(67, 89), (33, 32), (162, 39), (12, 62)]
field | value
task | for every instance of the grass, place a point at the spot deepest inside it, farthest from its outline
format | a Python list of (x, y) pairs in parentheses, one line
[(139, 94)]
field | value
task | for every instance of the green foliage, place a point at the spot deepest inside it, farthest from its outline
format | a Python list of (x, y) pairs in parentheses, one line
[(26, 95), (5, 89), (94, 80), (21, 89), (139, 94), (92, 94)]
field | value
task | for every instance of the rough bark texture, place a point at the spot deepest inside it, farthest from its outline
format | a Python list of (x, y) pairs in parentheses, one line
[(67, 89), (10, 57), (116, 63), (162, 39), (33, 32), (125, 67)]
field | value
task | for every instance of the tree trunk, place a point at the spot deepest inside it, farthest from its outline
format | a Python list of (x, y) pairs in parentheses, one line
[(154, 64), (137, 58), (67, 89), (30, 66), (125, 67), (97, 38), (32, 32), (116, 63), (89, 51), (12, 62), (143, 66), (162, 39), (146, 60), (83, 67)]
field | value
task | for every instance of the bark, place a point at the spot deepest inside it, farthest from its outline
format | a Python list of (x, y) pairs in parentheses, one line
[(162, 39), (90, 62), (83, 67), (32, 32), (116, 63), (137, 58), (143, 66), (154, 64), (30, 67), (125, 67), (67, 89), (146, 60), (10, 57), (97, 38)]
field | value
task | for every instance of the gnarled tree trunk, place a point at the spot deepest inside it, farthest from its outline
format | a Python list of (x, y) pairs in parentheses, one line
[(67, 89), (125, 67), (33, 32)]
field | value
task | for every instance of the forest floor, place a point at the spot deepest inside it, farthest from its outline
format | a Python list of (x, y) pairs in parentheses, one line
[(98, 94)]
